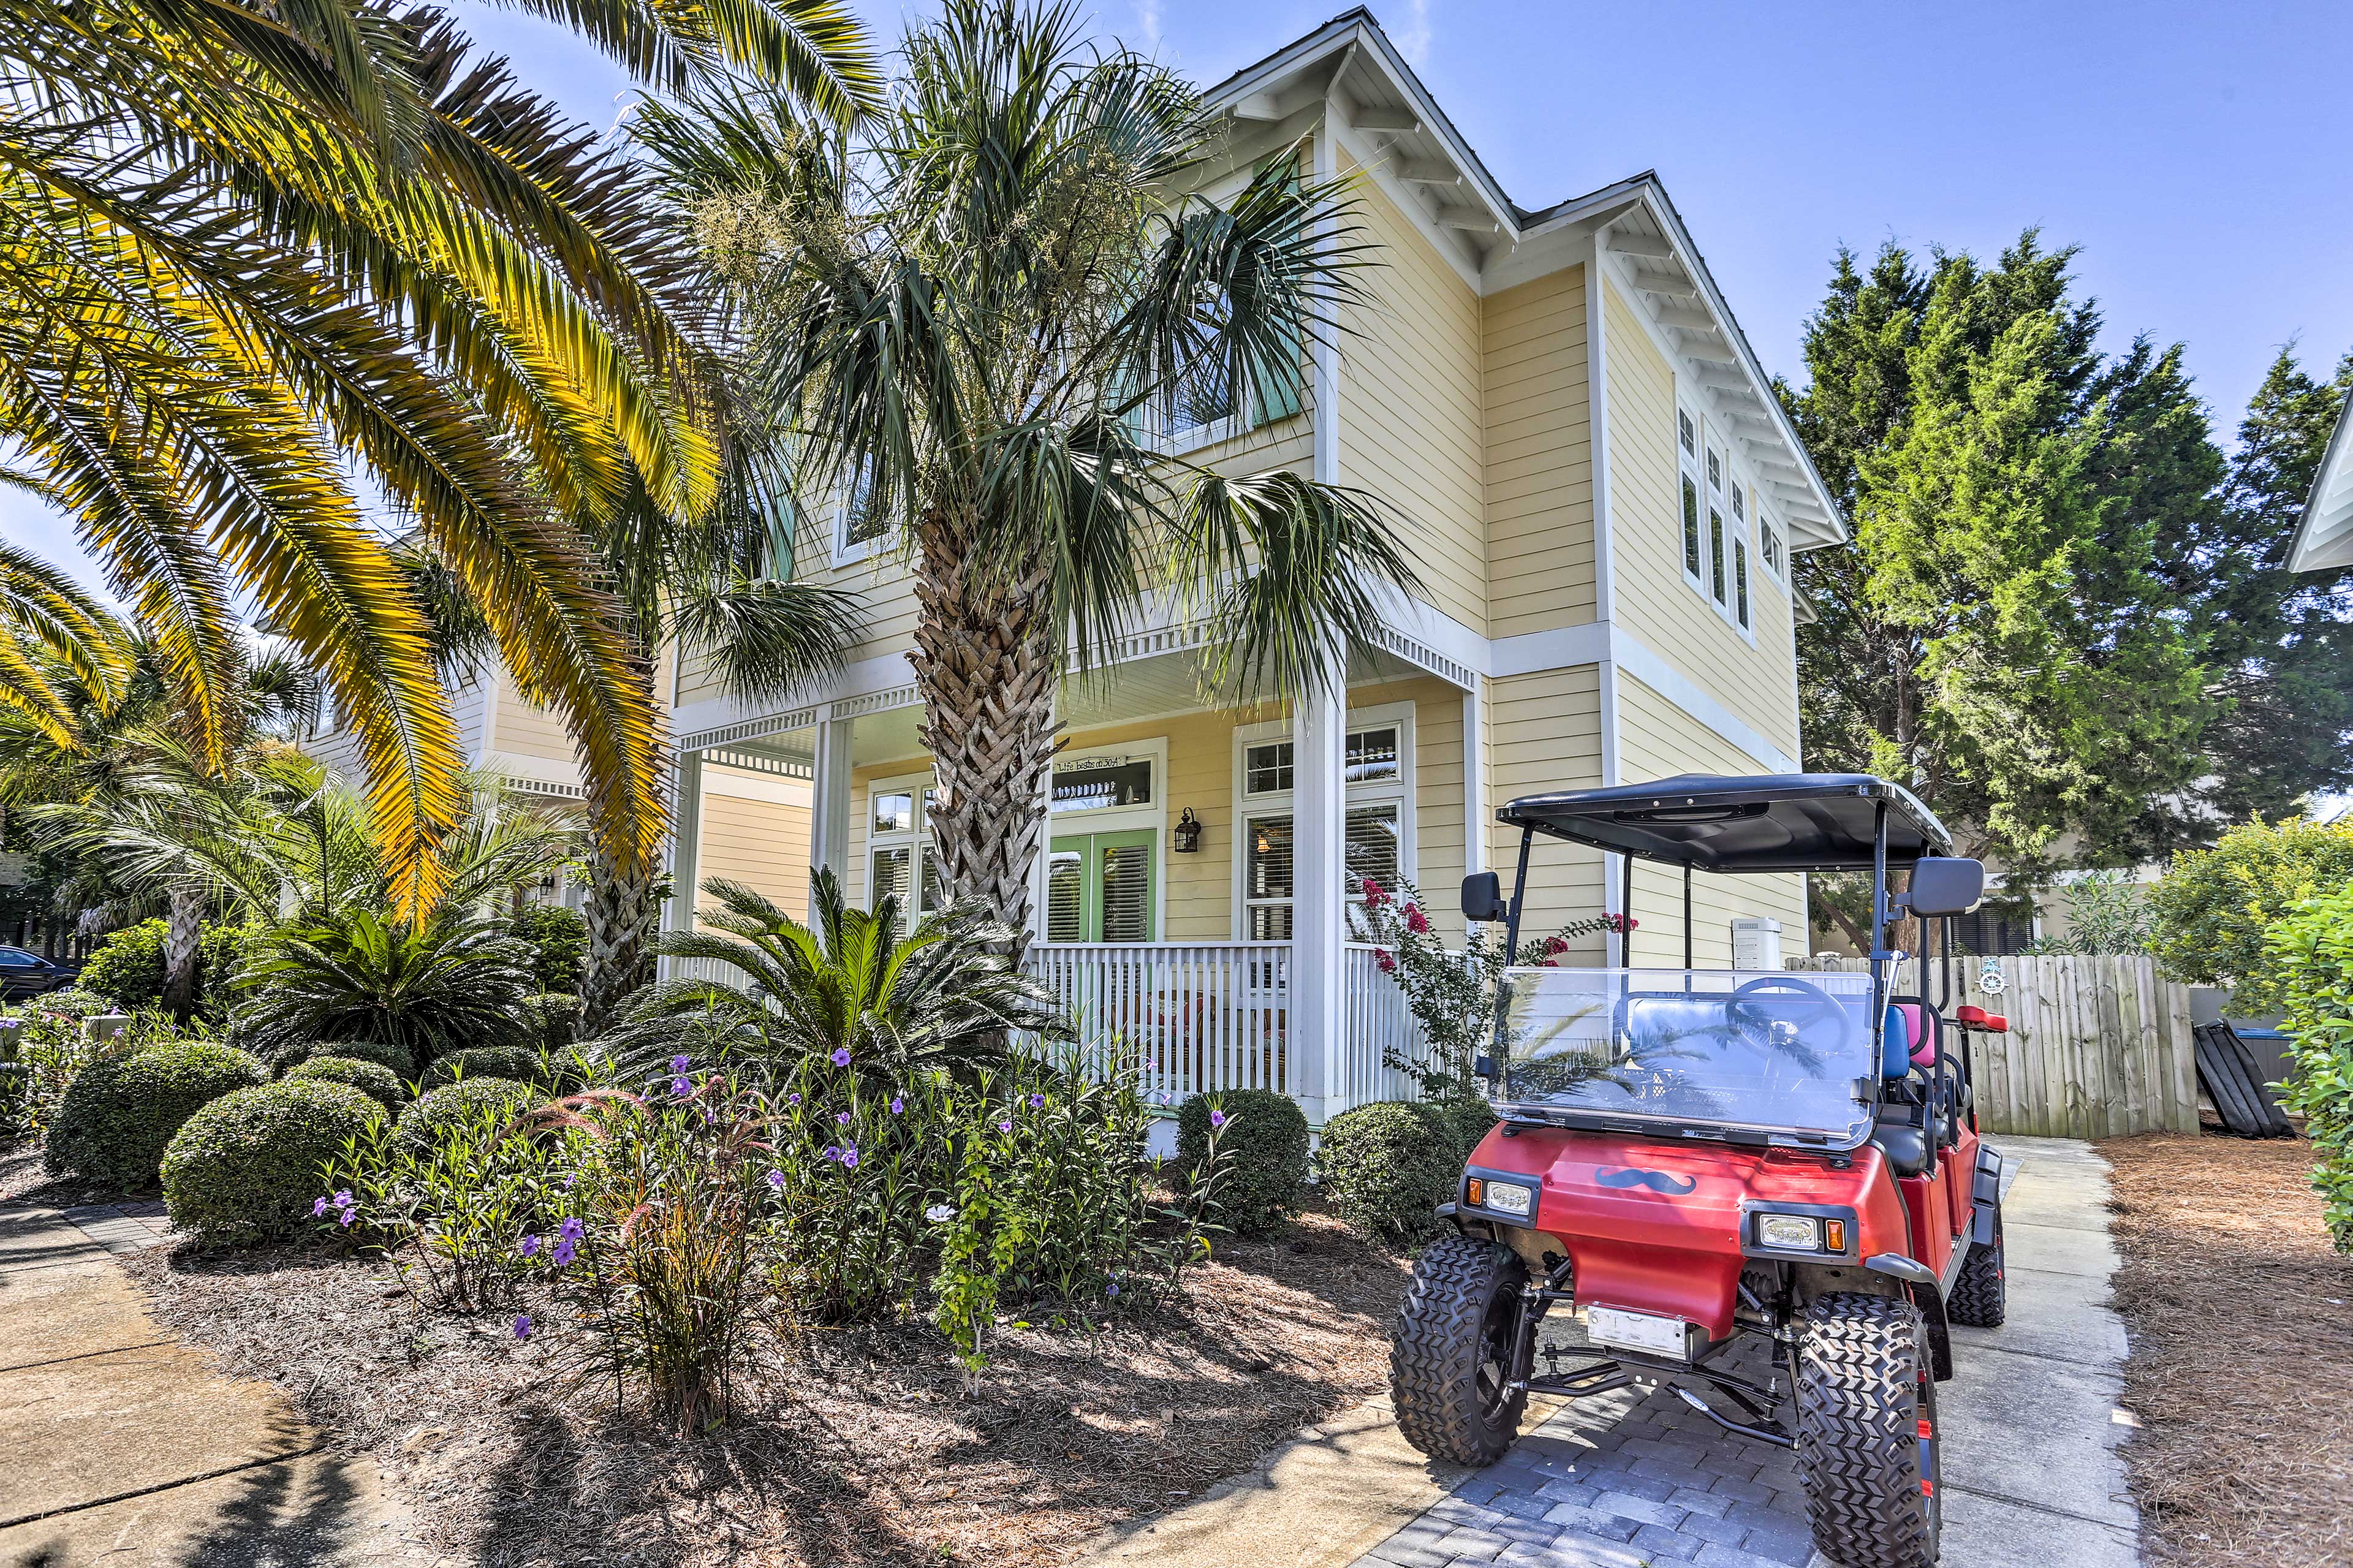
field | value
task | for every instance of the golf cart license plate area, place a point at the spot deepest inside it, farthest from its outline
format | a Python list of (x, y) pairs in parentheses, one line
[(1637, 1331)]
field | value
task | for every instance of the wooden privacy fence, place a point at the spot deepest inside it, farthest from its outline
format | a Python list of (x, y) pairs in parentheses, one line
[(2097, 1048)]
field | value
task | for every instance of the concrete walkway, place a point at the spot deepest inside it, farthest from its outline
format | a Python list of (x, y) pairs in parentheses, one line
[(2032, 1474), (126, 1446)]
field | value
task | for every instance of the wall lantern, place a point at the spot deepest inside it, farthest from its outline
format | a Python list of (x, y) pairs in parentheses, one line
[(1187, 833)]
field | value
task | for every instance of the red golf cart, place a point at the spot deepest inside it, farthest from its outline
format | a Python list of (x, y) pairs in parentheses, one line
[(1693, 1159)]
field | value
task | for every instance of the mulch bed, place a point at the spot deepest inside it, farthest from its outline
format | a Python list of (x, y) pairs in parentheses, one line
[(2240, 1372), (861, 1449)]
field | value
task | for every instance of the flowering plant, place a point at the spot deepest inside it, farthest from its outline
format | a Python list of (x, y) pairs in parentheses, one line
[(1452, 993)]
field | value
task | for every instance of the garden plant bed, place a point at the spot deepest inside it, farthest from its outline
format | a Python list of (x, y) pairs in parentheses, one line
[(2239, 1314), (861, 1451)]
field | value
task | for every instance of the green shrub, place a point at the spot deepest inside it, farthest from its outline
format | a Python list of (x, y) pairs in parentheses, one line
[(250, 1166), (1266, 1139), (126, 968), (375, 1080), (118, 1115), (559, 943), (1468, 1119), (447, 983), (76, 1002), (386, 1053), (554, 1020), (2312, 972), (2214, 906), (1385, 1167), (486, 1061), (455, 1104)]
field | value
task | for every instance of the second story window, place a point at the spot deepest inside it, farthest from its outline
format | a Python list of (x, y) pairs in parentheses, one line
[(1768, 545), (1715, 557), (1694, 541), (861, 520)]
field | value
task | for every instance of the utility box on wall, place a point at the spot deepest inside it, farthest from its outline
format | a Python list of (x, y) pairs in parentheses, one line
[(1755, 944)]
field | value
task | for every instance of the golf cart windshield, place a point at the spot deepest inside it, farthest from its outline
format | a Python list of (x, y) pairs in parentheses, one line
[(1773, 1053)]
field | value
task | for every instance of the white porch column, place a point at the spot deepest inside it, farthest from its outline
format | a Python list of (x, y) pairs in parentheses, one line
[(1475, 776), (1317, 1004), (685, 842), (829, 801)]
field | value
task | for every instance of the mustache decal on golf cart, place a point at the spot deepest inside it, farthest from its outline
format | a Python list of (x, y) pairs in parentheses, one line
[(1657, 1181)]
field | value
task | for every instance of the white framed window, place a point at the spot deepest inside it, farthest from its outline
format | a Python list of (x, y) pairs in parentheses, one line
[(1740, 511), (1376, 766), (1695, 552), (861, 522), (899, 860), (1770, 550)]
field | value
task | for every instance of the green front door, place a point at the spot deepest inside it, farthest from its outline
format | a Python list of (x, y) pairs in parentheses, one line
[(1099, 887)]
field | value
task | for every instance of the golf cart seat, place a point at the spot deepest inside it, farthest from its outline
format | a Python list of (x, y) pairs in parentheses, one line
[(1901, 1141)]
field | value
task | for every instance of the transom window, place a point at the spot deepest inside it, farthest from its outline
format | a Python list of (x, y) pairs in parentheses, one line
[(1768, 545)]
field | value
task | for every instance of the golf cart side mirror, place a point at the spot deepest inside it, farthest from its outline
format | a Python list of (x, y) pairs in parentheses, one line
[(1944, 886), (1482, 897)]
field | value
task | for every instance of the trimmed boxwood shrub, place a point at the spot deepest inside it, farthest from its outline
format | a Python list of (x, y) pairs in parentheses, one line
[(393, 1058), (117, 1116), (378, 1083), (455, 1104), (485, 1061), (247, 1167), (1387, 1167), (1265, 1138), (1468, 1120)]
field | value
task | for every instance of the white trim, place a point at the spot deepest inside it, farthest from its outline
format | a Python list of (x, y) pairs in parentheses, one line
[(1596, 404), (1323, 332), (1563, 647), (1115, 819), (1663, 677), (1475, 776)]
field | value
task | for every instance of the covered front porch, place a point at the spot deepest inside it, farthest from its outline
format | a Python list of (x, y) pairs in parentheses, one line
[(1191, 907)]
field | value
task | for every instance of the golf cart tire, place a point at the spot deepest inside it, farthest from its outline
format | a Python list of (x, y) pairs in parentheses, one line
[(1437, 1351), (1980, 1298), (1859, 1446)]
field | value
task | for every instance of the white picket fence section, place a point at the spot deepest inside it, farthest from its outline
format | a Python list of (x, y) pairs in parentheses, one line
[(2097, 1048), (1205, 1016)]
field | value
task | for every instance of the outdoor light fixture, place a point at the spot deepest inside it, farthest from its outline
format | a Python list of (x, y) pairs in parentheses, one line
[(1187, 834)]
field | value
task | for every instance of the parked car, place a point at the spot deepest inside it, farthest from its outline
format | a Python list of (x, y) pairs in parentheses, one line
[(1690, 1159), (24, 973)]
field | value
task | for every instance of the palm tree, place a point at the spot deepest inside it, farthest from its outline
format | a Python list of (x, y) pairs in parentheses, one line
[(241, 244), (966, 308)]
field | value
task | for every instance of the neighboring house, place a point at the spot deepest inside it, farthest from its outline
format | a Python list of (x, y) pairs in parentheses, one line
[(1604, 498), (2323, 539)]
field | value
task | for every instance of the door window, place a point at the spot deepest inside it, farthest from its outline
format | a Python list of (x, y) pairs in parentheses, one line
[(1099, 885)]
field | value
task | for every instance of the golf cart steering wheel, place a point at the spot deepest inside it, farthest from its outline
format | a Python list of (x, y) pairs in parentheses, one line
[(1813, 997)]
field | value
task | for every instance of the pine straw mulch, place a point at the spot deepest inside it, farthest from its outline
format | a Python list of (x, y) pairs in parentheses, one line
[(860, 1450), (2239, 1318)]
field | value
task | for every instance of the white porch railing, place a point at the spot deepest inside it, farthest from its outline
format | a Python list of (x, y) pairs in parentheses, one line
[(1199, 1018)]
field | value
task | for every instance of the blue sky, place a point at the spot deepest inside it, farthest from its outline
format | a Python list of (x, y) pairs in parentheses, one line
[(2194, 152)]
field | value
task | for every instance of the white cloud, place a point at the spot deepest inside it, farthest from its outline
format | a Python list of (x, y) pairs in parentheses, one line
[(1148, 17), (1413, 38)]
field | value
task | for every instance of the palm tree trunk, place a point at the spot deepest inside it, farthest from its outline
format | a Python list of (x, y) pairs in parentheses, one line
[(182, 940), (983, 664), (622, 911)]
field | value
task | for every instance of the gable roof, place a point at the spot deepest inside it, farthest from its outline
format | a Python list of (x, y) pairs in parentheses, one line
[(2324, 536), (1351, 63)]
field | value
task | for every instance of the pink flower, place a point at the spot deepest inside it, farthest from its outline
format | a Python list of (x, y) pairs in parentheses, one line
[(1554, 946), (1415, 921), (1383, 962), (1374, 896)]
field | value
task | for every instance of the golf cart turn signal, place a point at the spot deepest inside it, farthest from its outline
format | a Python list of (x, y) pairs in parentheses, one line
[(1800, 1233), (1504, 1197)]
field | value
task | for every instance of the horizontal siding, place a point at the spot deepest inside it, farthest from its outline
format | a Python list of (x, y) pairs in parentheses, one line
[(1545, 733), (1657, 740), (1537, 455), (1655, 601), (755, 830), (519, 728), (1410, 417)]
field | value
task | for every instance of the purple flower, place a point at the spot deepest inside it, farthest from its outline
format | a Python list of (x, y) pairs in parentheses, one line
[(850, 1157), (344, 1198), (530, 1248), (1036, 1102), (1005, 1126), (571, 1229), (841, 1119), (776, 1180), (794, 1100), (831, 1152), (569, 1180), (1111, 1288), (710, 1112), (319, 1209), (680, 1089), (345, 1219), (897, 1105), (1216, 1118), (841, 1057), (522, 1325), (678, 1063), (563, 1254)]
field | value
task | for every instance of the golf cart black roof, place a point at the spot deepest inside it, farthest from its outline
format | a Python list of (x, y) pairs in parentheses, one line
[(1772, 822)]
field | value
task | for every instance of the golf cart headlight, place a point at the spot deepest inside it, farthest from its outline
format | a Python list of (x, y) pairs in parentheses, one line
[(1504, 1197), (1790, 1232)]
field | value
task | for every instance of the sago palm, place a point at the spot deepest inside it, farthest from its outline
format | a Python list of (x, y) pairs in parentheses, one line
[(245, 247), (966, 308)]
